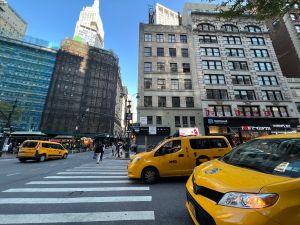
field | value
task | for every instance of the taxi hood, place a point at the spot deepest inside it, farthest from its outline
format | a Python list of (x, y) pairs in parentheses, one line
[(142, 154), (223, 177)]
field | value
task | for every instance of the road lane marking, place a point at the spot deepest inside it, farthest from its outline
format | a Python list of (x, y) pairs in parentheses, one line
[(85, 177), (75, 200), (22, 190), (12, 174), (83, 182), (92, 173), (76, 217), (94, 170)]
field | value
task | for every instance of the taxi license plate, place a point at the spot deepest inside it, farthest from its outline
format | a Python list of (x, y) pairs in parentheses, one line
[(192, 208)]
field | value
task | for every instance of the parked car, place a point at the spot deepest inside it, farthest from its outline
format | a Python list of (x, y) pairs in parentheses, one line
[(256, 183), (41, 151), (176, 157)]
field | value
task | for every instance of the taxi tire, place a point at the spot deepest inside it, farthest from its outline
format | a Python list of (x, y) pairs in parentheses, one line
[(42, 158), (150, 175), (65, 156), (22, 160)]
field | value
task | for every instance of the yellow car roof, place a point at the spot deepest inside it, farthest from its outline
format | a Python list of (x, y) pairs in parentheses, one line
[(290, 135)]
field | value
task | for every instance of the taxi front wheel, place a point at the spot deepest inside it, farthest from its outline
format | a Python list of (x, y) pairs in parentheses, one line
[(150, 175)]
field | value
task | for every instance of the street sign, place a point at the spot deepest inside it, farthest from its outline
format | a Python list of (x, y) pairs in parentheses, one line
[(128, 116), (152, 130), (143, 120)]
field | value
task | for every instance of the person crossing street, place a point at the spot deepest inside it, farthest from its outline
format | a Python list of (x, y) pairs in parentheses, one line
[(99, 150)]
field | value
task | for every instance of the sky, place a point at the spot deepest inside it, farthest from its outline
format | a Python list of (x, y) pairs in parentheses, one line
[(54, 20)]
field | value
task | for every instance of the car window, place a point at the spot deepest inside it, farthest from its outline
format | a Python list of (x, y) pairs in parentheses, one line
[(274, 156), (55, 146), (46, 145), (169, 147), (199, 144), (218, 143), (31, 144)]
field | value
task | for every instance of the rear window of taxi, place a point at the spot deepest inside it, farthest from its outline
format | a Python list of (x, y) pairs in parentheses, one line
[(29, 144)]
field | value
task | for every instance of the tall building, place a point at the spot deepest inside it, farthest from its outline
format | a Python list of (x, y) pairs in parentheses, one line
[(25, 73), (161, 15), (285, 35), (89, 27), (82, 93), (11, 24), (241, 84)]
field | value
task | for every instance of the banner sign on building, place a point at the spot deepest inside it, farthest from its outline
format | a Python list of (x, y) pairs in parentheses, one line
[(188, 131), (250, 128), (152, 130), (143, 120)]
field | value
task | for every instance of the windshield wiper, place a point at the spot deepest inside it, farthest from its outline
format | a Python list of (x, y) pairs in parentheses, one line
[(244, 165)]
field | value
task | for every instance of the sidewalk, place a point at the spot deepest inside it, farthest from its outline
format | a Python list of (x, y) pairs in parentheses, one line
[(6, 155)]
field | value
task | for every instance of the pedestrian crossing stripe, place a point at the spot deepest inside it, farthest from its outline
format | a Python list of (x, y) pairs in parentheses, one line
[(100, 189), (77, 217), (86, 177), (21, 201), (83, 182)]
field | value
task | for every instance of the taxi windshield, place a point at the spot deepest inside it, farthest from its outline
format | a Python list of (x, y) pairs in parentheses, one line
[(273, 156)]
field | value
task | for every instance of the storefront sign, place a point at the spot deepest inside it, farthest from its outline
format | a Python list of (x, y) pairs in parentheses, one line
[(281, 126), (250, 128), (217, 121), (143, 120), (152, 130), (188, 131)]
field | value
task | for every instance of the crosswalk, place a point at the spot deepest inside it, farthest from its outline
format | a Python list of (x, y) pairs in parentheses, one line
[(83, 194)]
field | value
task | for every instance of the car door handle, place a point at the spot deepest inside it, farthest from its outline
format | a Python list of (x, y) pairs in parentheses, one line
[(195, 154), (220, 150), (181, 155), (173, 161)]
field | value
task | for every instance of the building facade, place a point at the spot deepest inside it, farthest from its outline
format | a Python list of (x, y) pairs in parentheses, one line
[(25, 73), (11, 24), (167, 84), (161, 15), (240, 81), (294, 85), (89, 27), (82, 95), (285, 35)]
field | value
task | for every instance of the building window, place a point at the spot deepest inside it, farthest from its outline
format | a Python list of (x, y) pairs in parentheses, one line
[(173, 67), (171, 38), (235, 52), (159, 38), (183, 38), (298, 106), (244, 95), (189, 102), (147, 83), (148, 37), (256, 40), (192, 121), (210, 51), (216, 94), (175, 102), (177, 121), (161, 84), (147, 101), (185, 52), (267, 80), (212, 65), (230, 28), (232, 40), (147, 67), (158, 120), (188, 84), (237, 65), (160, 66), (241, 80), (172, 52), (297, 28), (186, 67), (263, 66), (208, 39), (214, 79), (147, 51), (185, 121), (162, 101), (244, 110), (278, 111), (175, 84), (253, 29), (149, 120), (260, 53), (293, 16), (272, 95), (220, 110), (206, 27), (160, 52)]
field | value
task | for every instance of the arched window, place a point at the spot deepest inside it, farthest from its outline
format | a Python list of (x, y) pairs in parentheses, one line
[(206, 27), (230, 28), (253, 29)]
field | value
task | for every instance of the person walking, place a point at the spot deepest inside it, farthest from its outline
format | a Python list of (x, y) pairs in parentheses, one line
[(113, 149), (98, 151)]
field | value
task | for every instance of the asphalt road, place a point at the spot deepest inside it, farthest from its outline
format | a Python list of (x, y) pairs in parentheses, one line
[(78, 191)]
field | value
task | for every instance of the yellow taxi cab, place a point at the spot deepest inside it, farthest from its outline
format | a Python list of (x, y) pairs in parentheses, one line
[(176, 157), (257, 183), (41, 151)]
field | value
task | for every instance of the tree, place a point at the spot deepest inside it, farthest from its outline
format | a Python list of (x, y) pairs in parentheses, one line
[(262, 9), (9, 112)]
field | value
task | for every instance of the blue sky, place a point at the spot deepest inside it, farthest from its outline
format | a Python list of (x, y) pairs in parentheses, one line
[(53, 20)]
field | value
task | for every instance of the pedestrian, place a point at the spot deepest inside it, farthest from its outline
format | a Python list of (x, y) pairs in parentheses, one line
[(100, 148), (97, 151), (113, 149)]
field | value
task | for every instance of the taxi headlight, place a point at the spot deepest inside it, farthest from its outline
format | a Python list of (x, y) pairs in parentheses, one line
[(136, 159), (248, 200)]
